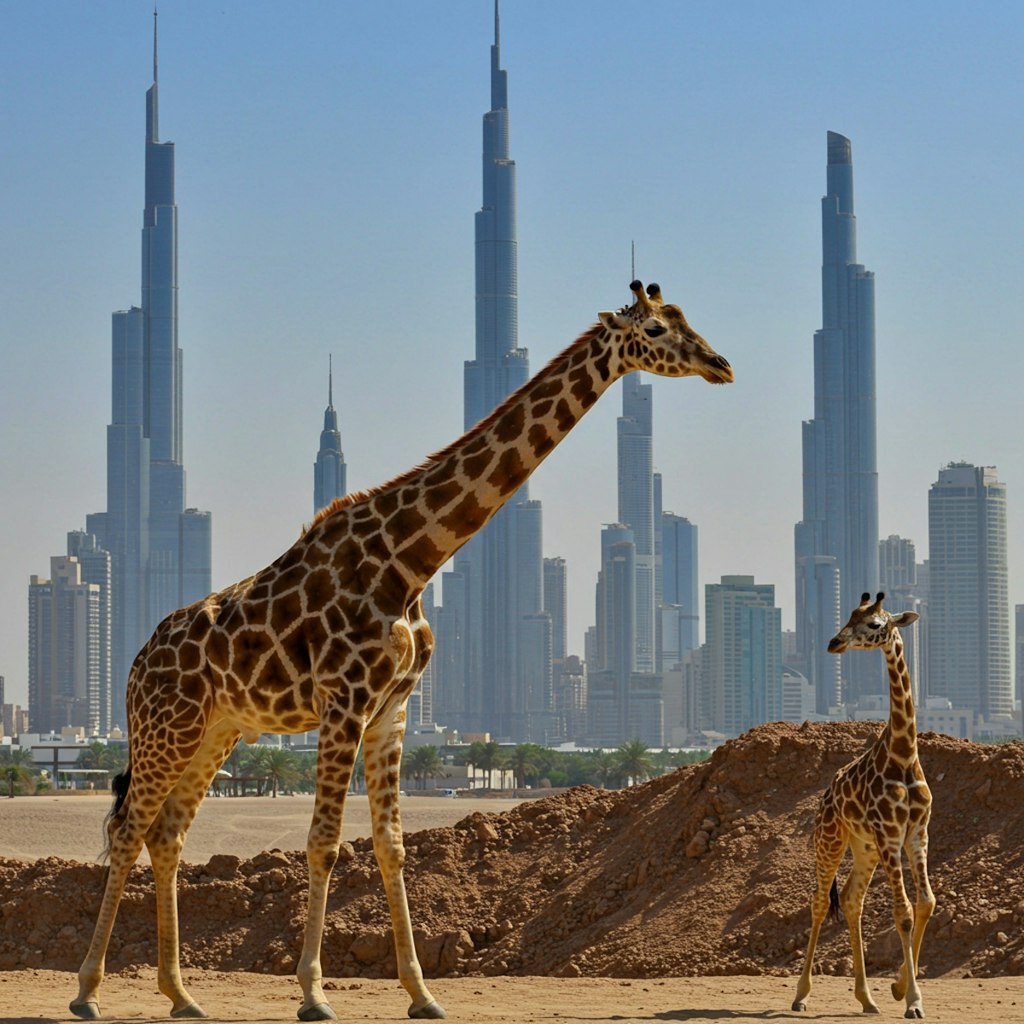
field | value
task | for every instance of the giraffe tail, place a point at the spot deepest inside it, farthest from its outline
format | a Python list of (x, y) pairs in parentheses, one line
[(833, 901), (119, 787)]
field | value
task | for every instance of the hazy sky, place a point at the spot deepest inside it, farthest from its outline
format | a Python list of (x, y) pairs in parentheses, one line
[(328, 170)]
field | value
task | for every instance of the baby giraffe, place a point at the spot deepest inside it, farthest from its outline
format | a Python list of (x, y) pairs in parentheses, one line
[(877, 806)]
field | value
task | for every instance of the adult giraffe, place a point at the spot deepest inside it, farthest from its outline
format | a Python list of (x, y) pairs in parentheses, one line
[(332, 636)]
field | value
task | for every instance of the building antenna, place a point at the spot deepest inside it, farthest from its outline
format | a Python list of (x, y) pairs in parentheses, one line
[(330, 379), (154, 43)]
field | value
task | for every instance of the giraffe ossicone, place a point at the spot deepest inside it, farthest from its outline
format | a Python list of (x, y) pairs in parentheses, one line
[(878, 806), (332, 636)]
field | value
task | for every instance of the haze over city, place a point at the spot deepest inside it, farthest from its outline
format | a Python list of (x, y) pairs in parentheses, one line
[(328, 170)]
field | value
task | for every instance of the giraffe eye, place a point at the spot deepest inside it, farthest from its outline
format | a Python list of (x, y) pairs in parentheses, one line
[(655, 331)]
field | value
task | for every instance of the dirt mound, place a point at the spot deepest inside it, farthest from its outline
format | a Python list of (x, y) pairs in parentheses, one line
[(708, 870)]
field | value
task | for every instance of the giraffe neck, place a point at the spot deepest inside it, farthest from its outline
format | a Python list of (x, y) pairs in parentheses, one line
[(902, 721), (426, 515)]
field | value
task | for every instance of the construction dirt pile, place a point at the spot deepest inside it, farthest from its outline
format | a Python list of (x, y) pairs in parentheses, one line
[(708, 870)]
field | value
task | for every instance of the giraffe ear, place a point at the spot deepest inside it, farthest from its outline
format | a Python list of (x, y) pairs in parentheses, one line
[(614, 321), (905, 619)]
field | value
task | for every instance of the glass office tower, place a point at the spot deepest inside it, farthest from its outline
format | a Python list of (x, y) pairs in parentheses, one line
[(500, 568), (840, 477), (160, 551), (968, 597)]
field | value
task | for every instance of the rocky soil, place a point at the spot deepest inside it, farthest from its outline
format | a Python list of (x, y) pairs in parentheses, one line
[(707, 871)]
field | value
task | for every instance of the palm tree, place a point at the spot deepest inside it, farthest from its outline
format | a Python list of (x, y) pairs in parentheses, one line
[(525, 761), (92, 756), (18, 768), (425, 763), (606, 768), (474, 753), (492, 759), (635, 762), (282, 768)]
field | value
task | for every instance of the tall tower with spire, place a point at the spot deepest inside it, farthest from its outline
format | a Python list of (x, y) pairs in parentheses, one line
[(837, 539), (160, 550), (329, 470), (500, 572)]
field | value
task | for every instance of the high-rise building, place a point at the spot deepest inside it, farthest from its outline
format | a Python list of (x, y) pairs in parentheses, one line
[(329, 470), (1018, 661), (635, 429), (95, 565), (680, 608), (968, 601), (65, 653), (897, 577), (499, 570), (840, 478), (623, 703), (743, 664), (160, 552)]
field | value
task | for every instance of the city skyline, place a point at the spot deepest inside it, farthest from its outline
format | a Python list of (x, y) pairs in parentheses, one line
[(257, 317)]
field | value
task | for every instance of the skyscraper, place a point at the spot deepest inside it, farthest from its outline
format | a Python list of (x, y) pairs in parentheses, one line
[(680, 608), (635, 429), (65, 654), (329, 470), (968, 601), (840, 478), (160, 552), (95, 565), (744, 654), (500, 568)]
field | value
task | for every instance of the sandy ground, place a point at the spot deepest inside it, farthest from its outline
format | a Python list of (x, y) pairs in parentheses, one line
[(33, 996), (71, 825)]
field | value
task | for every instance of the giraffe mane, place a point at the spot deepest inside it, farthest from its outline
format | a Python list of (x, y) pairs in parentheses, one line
[(357, 497)]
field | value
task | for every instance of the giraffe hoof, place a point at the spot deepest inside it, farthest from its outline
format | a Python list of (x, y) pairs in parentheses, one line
[(799, 1005), (193, 1010), (321, 1011), (914, 1013), (431, 1011), (87, 1011)]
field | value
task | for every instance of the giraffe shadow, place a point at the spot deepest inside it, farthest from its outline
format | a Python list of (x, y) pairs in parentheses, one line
[(723, 1013)]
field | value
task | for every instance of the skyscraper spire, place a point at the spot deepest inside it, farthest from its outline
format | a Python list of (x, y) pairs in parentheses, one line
[(154, 44), (329, 470), (837, 539)]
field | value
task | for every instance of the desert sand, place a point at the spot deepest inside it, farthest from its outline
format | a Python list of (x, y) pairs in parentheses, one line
[(682, 899)]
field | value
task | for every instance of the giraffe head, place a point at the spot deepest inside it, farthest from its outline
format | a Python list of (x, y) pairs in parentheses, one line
[(870, 626), (654, 335)]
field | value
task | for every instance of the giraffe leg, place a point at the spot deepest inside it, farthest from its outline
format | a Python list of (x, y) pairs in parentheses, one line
[(127, 833), (916, 852), (126, 839), (165, 840), (336, 754), (829, 846), (852, 901), (382, 755), (903, 918)]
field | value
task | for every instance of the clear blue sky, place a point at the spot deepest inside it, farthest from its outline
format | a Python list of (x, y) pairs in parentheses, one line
[(328, 162)]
